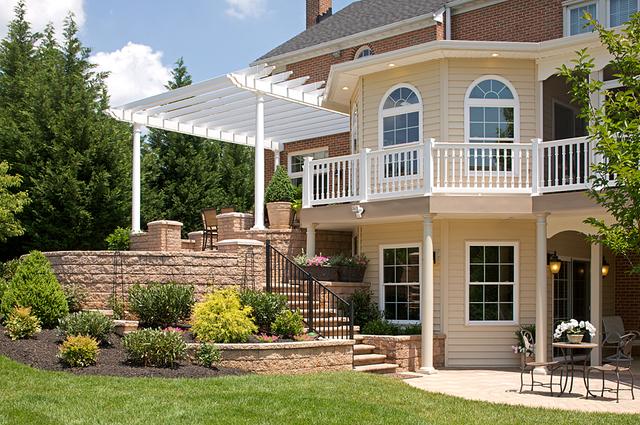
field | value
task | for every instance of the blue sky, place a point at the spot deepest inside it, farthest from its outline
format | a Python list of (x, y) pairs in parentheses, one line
[(138, 41)]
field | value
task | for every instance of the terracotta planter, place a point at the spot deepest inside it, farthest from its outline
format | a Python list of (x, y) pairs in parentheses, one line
[(575, 338), (321, 273), (351, 274), (280, 214)]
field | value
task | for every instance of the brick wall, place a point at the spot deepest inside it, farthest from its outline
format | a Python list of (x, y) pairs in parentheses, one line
[(627, 292), (513, 20)]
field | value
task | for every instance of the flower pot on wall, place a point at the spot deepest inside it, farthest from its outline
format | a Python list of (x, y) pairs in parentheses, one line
[(280, 214), (322, 273), (351, 274)]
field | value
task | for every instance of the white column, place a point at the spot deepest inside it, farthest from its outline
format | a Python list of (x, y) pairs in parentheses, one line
[(311, 240), (135, 180), (276, 159), (258, 214), (426, 297), (596, 299), (541, 290)]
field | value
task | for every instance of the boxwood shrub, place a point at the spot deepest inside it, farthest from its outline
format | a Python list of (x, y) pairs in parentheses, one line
[(153, 347), (288, 324), (79, 351), (265, 307), (222, 318), (160, 305), (87, 323)]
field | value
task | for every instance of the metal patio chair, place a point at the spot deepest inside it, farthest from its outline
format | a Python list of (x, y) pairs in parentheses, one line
[(529, 367), (210, 231), (613, 329), (617, 363)]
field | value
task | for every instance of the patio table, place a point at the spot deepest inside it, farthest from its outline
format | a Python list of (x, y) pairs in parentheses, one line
[(568, 350)]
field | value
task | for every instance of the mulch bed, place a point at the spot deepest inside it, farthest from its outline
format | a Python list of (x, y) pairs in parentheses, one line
[(41, 352)]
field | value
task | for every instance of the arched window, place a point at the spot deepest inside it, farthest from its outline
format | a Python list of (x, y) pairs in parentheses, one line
[(400, 116), (354, 129), (363, 52), (491, 116)]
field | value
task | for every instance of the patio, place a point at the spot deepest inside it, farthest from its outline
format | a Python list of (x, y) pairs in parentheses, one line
[(502, 386)]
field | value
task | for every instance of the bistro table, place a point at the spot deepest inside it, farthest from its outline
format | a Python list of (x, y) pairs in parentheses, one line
[(568, 350)]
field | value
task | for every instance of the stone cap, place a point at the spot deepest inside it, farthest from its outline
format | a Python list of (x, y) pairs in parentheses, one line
[(165, 222), (197, 232), (235, 214), (240, 242), (403, 337), (296, 345)]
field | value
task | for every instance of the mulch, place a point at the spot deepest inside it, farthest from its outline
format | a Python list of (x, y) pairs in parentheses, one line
[(41, 352)]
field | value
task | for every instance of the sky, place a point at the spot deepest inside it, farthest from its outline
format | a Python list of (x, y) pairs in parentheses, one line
[(138, 41)]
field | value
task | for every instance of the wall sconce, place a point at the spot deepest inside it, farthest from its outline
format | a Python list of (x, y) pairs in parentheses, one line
[(554, 263), (605, 267), (357, 210)]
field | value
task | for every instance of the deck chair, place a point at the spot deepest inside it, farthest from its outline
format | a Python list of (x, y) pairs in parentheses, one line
[(529, 367), (210, 231), (613, 330), (617, 363)]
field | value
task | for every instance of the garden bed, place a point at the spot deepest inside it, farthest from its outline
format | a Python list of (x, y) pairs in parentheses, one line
[(41, 352)]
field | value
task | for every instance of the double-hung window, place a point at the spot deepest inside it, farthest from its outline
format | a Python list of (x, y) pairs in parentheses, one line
[(400, 295), (620, 11), (296, 163), (492, 282), (610, 13), (575, 22)]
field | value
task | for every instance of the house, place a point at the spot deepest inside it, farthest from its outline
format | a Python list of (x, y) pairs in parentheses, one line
[(448, 147)]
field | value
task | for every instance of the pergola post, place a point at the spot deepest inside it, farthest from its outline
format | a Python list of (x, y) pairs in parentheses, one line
[(426, 298), (258, 214), (135, 180), (596, 300), (541, 291), (311, 240)]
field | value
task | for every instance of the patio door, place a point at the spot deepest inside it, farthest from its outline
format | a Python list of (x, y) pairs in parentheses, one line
[(571, 292)]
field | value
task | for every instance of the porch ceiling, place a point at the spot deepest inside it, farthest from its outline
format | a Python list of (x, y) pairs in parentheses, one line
[(224, 108)]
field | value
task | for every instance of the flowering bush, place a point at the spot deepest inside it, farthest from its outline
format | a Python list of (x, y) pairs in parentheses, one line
[(317, 261), (267, 338), (573, 327), (339, 260)]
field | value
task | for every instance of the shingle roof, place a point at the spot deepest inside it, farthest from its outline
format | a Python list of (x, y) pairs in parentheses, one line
[(359, 16)]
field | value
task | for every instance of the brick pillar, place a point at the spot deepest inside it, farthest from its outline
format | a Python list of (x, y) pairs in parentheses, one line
[(315, 9), (627, 292), (166, 234)]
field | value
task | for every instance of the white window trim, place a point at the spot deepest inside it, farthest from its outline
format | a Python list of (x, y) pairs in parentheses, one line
[(571, 5), (516, 284), (382, 113), (356, 56), (381, 279), (298, 175), (354, 129)]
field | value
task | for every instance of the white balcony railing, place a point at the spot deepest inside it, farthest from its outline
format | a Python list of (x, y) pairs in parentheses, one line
[(467, 168)]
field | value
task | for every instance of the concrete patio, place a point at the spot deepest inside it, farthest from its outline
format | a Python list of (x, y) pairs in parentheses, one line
[(502, 386)]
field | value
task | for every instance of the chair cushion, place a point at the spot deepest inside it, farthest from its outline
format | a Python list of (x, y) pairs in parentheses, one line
[(536, 364)]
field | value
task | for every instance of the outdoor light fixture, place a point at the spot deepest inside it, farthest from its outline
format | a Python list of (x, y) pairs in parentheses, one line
[(495, 55), (391, 65), (345, 88), (605, 267), (554, 263), (357, 210)]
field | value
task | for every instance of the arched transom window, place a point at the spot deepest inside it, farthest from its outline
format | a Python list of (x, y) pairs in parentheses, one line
[(491, 116), (363, 52), (401, 113)]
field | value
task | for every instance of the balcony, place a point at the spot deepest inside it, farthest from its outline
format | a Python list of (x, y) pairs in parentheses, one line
[(434, 168)]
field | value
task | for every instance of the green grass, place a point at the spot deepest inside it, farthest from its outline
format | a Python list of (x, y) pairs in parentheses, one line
[(29, 396)]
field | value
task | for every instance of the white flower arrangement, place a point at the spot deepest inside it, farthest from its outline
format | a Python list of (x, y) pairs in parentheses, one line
[(574, 327)]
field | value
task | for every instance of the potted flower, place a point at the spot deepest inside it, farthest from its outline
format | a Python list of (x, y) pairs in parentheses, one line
[(279, 196), (352, 269), (319, 267), (574, 330)]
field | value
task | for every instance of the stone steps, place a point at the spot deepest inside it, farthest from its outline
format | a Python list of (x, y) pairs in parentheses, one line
[(366, 360), (369, 359), (380, 368), (363, 349)]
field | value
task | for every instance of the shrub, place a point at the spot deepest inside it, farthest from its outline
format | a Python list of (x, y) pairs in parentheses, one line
[(117, 306), (365, 309), (265, 307), (87, 323), (34, 285), (160, 305), (384, 327), (79, 351), (75, 296), (119, 240), (208, 355), (267, 338), (222, 318), (288, 324), (280, 188), (153, 347), (22, 324)]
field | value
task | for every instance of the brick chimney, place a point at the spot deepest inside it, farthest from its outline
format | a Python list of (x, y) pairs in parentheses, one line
[(317, 10)]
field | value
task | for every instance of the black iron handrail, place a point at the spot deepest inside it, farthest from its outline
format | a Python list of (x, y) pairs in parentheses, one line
[(324, 311)]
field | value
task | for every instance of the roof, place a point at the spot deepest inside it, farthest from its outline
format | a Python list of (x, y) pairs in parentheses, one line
[(224, 108), (359, 16)]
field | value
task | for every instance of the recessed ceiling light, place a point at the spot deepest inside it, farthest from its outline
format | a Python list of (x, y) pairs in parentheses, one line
[(495, 55), (391, 65), (345, 88)]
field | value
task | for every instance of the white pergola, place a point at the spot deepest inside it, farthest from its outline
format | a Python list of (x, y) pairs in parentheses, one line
[(251, 107)]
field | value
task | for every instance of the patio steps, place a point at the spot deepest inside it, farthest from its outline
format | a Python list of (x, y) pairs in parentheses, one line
[(366, 360)]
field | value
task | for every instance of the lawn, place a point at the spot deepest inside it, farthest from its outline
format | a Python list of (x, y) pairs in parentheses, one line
[(29, 396)]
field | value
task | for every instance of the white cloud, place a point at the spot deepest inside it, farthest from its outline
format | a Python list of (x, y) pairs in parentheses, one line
[(242, 9), (41, 12), (136, 72)]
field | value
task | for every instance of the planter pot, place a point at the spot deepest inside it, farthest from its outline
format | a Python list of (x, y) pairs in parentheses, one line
[(280, 214), (575, 338), (351, 274), (329, 274)]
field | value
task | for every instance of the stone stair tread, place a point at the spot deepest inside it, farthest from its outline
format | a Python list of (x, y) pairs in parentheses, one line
[(366, 359), (377, 368), (363, 349)]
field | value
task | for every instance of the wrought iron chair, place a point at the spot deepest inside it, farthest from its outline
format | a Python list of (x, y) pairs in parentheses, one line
[(529, 367), (617, 363), (613, 330), (210, 232)]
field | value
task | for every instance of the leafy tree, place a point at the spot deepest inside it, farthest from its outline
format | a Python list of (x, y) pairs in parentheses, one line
[(10, 204), (614, 130)]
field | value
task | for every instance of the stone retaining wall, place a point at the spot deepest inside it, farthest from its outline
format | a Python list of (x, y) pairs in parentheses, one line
[(287, 357), (100, 273), (404, 350)]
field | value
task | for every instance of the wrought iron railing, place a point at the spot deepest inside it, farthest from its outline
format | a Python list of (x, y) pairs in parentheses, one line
[(324, 312)]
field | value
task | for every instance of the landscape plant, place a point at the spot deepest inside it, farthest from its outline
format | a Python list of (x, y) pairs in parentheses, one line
[(159, 305), (265, 307), (280, 188), (117, 306), (208, 355), (365, 309), (222, 318), (119, 239), (384, 327), (154, 347), (75, 296), (87, 323), (12, 203), (22, 324), (288, 324), (34, 285), (79, 351)]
